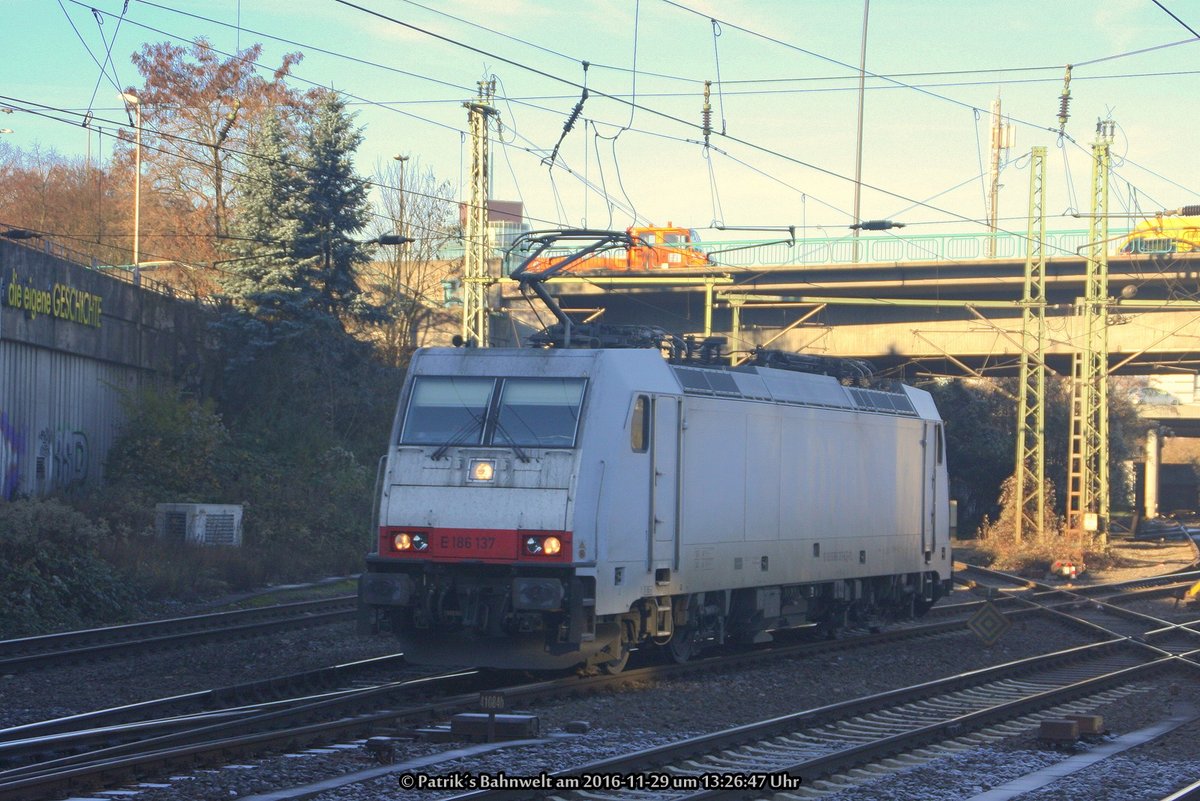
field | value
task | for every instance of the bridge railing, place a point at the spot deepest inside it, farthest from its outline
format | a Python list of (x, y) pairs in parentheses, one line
[(890, 249), (885, 249)]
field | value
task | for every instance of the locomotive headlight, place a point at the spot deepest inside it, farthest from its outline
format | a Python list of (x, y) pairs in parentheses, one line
[(533, 545), (483, 469), (405, 541), (552, 545)]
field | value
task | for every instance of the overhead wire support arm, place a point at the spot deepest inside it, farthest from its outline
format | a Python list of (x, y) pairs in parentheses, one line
[(790, 241)]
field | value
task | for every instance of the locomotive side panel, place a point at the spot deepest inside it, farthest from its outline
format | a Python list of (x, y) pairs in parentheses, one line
[(796, 480)]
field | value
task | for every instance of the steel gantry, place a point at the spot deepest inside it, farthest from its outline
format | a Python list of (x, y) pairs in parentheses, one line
[(476, 277), (1030, 489), (1087, 477)]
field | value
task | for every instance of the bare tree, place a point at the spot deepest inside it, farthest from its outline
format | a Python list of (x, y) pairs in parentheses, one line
[(200, 113), (407, 281)]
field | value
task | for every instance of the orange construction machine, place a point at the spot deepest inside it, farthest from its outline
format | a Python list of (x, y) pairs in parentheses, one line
[(650, 248)]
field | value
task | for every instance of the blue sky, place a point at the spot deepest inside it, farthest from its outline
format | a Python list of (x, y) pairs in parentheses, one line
[(788, 102)]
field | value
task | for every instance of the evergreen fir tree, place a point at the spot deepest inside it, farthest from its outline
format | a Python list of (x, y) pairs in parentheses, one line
[(263, 276), (295, 258), (334, 210)]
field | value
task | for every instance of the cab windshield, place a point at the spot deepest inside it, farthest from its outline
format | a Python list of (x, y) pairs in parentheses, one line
[(518, 412)]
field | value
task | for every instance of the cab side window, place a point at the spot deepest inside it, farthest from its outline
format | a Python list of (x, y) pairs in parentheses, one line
[(639, 426)]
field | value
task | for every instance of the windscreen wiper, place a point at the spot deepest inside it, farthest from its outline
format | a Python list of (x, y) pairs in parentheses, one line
[(458, 436), (511, 442)]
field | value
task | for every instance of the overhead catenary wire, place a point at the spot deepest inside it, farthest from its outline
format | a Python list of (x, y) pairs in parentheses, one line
[(98, 16), (515, 100), (100, 64), (93, 123), (635, 106), (633, 109), (316, 84)]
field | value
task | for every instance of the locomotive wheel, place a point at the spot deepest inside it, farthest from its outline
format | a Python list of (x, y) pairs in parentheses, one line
[(681, 648), (614, 666)]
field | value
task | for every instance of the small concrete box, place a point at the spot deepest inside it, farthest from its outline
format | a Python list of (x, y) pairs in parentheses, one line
[(474, 726), (1089, 725), (199, 523), (1059, 731)]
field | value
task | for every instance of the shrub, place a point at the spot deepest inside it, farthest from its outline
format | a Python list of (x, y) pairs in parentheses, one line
[(52, 575), (1036, 551)]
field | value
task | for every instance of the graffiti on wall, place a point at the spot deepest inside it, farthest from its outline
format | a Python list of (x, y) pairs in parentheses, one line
[(12, 442), (62, 459)]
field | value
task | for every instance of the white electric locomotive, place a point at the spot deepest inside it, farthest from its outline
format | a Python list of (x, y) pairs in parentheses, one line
[(543, 508), (551, 507)]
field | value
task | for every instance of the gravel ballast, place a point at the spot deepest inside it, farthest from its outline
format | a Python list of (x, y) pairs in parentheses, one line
[(648, 715)]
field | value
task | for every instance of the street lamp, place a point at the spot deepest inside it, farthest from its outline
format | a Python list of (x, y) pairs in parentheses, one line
[(389, 239), (132, 100)]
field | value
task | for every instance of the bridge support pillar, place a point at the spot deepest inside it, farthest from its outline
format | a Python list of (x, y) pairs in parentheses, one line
[(1153, 462)]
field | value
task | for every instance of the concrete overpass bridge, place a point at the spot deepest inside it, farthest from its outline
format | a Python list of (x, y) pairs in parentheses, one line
[(938, 315), (931, 314)]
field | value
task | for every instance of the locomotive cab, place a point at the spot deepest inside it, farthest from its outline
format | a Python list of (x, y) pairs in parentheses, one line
[(475, 546)]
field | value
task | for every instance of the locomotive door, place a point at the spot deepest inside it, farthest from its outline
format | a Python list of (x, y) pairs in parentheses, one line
[(932, 447), (665, 446)]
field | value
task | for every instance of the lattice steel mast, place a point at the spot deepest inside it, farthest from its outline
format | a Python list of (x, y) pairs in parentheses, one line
[(1031, 407), (1087, 479), (476, 277)]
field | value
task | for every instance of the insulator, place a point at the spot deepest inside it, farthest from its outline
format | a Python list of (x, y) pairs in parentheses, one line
[(1190, 211), (1064, 101), (570, 123), (706, 113)]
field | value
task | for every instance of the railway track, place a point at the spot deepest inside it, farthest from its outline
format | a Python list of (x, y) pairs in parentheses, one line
[(46, 740), (844, 744), (151, 744), (115, 744), (994, 585), (30, 653)]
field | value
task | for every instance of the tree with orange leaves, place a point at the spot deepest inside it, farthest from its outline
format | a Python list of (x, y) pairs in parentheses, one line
[(201, 111)]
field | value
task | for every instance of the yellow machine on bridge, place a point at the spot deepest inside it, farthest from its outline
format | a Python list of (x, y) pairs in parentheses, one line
[(1166, 234)]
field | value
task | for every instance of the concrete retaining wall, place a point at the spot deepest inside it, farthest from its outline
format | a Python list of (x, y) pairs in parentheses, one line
[(72, 340)]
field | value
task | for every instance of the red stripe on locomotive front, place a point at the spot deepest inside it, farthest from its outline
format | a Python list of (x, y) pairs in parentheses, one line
[(473, 544)]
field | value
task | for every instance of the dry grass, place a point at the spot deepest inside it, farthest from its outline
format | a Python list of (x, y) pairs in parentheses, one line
[(997, 546)]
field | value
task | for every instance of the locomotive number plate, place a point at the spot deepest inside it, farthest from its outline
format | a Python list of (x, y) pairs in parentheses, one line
[(480, 545)]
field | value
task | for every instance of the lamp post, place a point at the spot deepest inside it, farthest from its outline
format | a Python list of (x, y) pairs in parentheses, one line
[(132, 100), (400, 274), (403, 191), (862, 80)]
